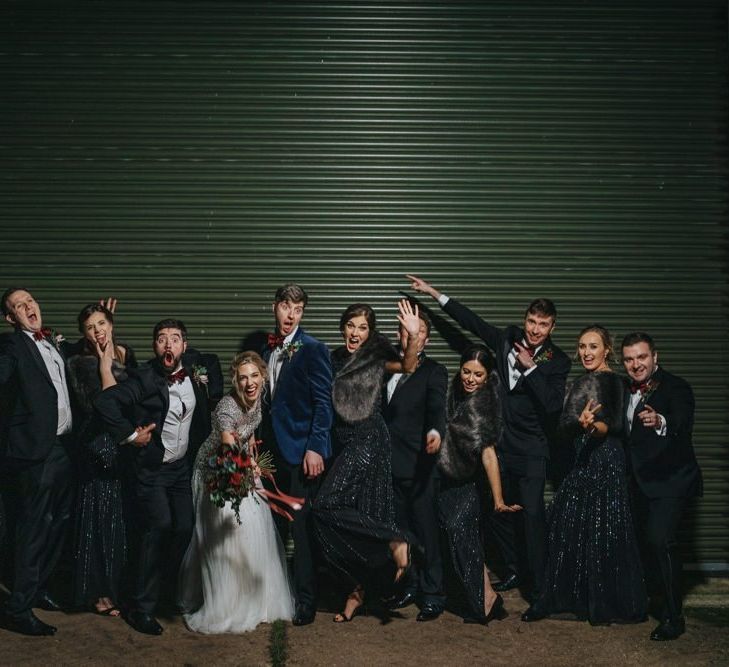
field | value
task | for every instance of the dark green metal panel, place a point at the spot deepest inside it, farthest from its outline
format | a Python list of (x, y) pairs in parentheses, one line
[(190, 157)]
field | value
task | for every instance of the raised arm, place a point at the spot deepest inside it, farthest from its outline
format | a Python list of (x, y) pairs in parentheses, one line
[(464, 316), (408, 317)]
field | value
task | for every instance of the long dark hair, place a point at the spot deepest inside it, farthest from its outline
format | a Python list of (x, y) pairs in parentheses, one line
[(482, 354)]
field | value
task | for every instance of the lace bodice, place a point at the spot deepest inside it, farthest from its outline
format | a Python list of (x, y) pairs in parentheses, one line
[(228, 416)]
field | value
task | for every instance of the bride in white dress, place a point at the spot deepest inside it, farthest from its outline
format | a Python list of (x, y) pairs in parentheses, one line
[(234, 576)]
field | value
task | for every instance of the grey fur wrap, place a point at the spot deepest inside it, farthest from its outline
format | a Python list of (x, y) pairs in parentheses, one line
[(85, 380), (474, 423), (357, 386), (605, 387)]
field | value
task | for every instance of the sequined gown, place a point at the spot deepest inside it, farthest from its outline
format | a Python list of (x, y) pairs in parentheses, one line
[(474, 423), (100, 547), (354, 512), (593, 568)]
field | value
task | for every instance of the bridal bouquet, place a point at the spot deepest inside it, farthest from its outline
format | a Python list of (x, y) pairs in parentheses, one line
[(232, 473)]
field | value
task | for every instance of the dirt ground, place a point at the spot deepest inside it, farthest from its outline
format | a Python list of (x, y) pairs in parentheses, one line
[(84, 639)]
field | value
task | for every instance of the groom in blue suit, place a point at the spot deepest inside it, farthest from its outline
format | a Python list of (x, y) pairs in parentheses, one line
[(296, 429)]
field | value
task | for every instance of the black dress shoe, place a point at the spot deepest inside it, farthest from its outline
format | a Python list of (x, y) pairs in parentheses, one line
[(402, 601), (429, 612), (534, 613), (511, 582), (46, 602), (669, 629), (144, 623), (28, 624), (304, 615)]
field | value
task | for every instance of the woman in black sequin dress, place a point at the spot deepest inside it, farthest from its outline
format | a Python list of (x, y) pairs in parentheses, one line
[(474, 426), (101, 543), (593, 568), (354, 512)]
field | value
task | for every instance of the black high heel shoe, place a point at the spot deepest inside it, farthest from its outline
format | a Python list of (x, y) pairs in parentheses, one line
[(496, 613), (357, 594)]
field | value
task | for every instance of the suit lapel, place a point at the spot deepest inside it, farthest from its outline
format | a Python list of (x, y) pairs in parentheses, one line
[(286, 358), (35, 354)]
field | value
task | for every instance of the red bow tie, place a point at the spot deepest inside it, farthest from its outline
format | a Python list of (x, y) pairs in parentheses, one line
[(638, 387), (178, 376), (44, 333), (274, 341)]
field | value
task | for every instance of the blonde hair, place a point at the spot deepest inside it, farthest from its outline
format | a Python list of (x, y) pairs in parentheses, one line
[(247, 357)]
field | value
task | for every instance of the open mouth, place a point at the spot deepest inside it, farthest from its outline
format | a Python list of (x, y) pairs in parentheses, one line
[(169, 358), (353, 344)]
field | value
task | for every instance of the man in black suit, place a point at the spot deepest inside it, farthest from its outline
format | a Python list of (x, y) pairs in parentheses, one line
[(414, 409), (665, 474), (161, 411), (35, 432), (533, 372)]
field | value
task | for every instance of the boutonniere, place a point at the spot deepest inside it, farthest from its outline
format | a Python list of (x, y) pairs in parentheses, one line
[(290, 349), (200, 376), (545, 354), (51, 335), (57, 339)]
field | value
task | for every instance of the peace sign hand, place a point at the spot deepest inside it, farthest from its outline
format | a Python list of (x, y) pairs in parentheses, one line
[(587, 417)]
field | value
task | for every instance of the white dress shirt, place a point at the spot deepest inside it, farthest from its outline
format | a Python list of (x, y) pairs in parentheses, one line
[(57, 370), (275, 361), (176, 429), (633, 404)]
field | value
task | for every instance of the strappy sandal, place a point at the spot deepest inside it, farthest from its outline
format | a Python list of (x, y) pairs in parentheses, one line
[(358, 595)]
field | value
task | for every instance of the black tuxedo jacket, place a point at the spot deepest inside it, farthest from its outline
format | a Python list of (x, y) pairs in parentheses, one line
[(28, 399), (531, 408), (665, 466), (144, 398), (417, 406)]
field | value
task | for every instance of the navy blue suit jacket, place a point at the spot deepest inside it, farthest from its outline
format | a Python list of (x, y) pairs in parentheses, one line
[(301, 409)]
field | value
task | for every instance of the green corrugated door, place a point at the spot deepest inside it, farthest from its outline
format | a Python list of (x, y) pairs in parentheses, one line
[(189, 157)]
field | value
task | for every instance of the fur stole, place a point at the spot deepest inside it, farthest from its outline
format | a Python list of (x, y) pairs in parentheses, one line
[(605, 387), (85, 380), (358, 384), (474, 422)]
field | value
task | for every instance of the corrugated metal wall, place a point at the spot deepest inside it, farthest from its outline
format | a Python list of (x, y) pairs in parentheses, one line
[(190, 157)]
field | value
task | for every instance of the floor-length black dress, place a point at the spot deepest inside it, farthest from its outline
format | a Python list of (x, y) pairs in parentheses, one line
[(100, 547), (474, 423), (593, 568), (354, 511)]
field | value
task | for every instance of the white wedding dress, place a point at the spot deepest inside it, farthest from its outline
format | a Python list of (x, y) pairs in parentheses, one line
[(233, 576)]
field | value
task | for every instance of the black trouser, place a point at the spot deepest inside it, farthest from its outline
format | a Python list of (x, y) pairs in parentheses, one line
[(416, 510), (523, 485), (163, 511), (657, 521), (42, 497), (291, 480)]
